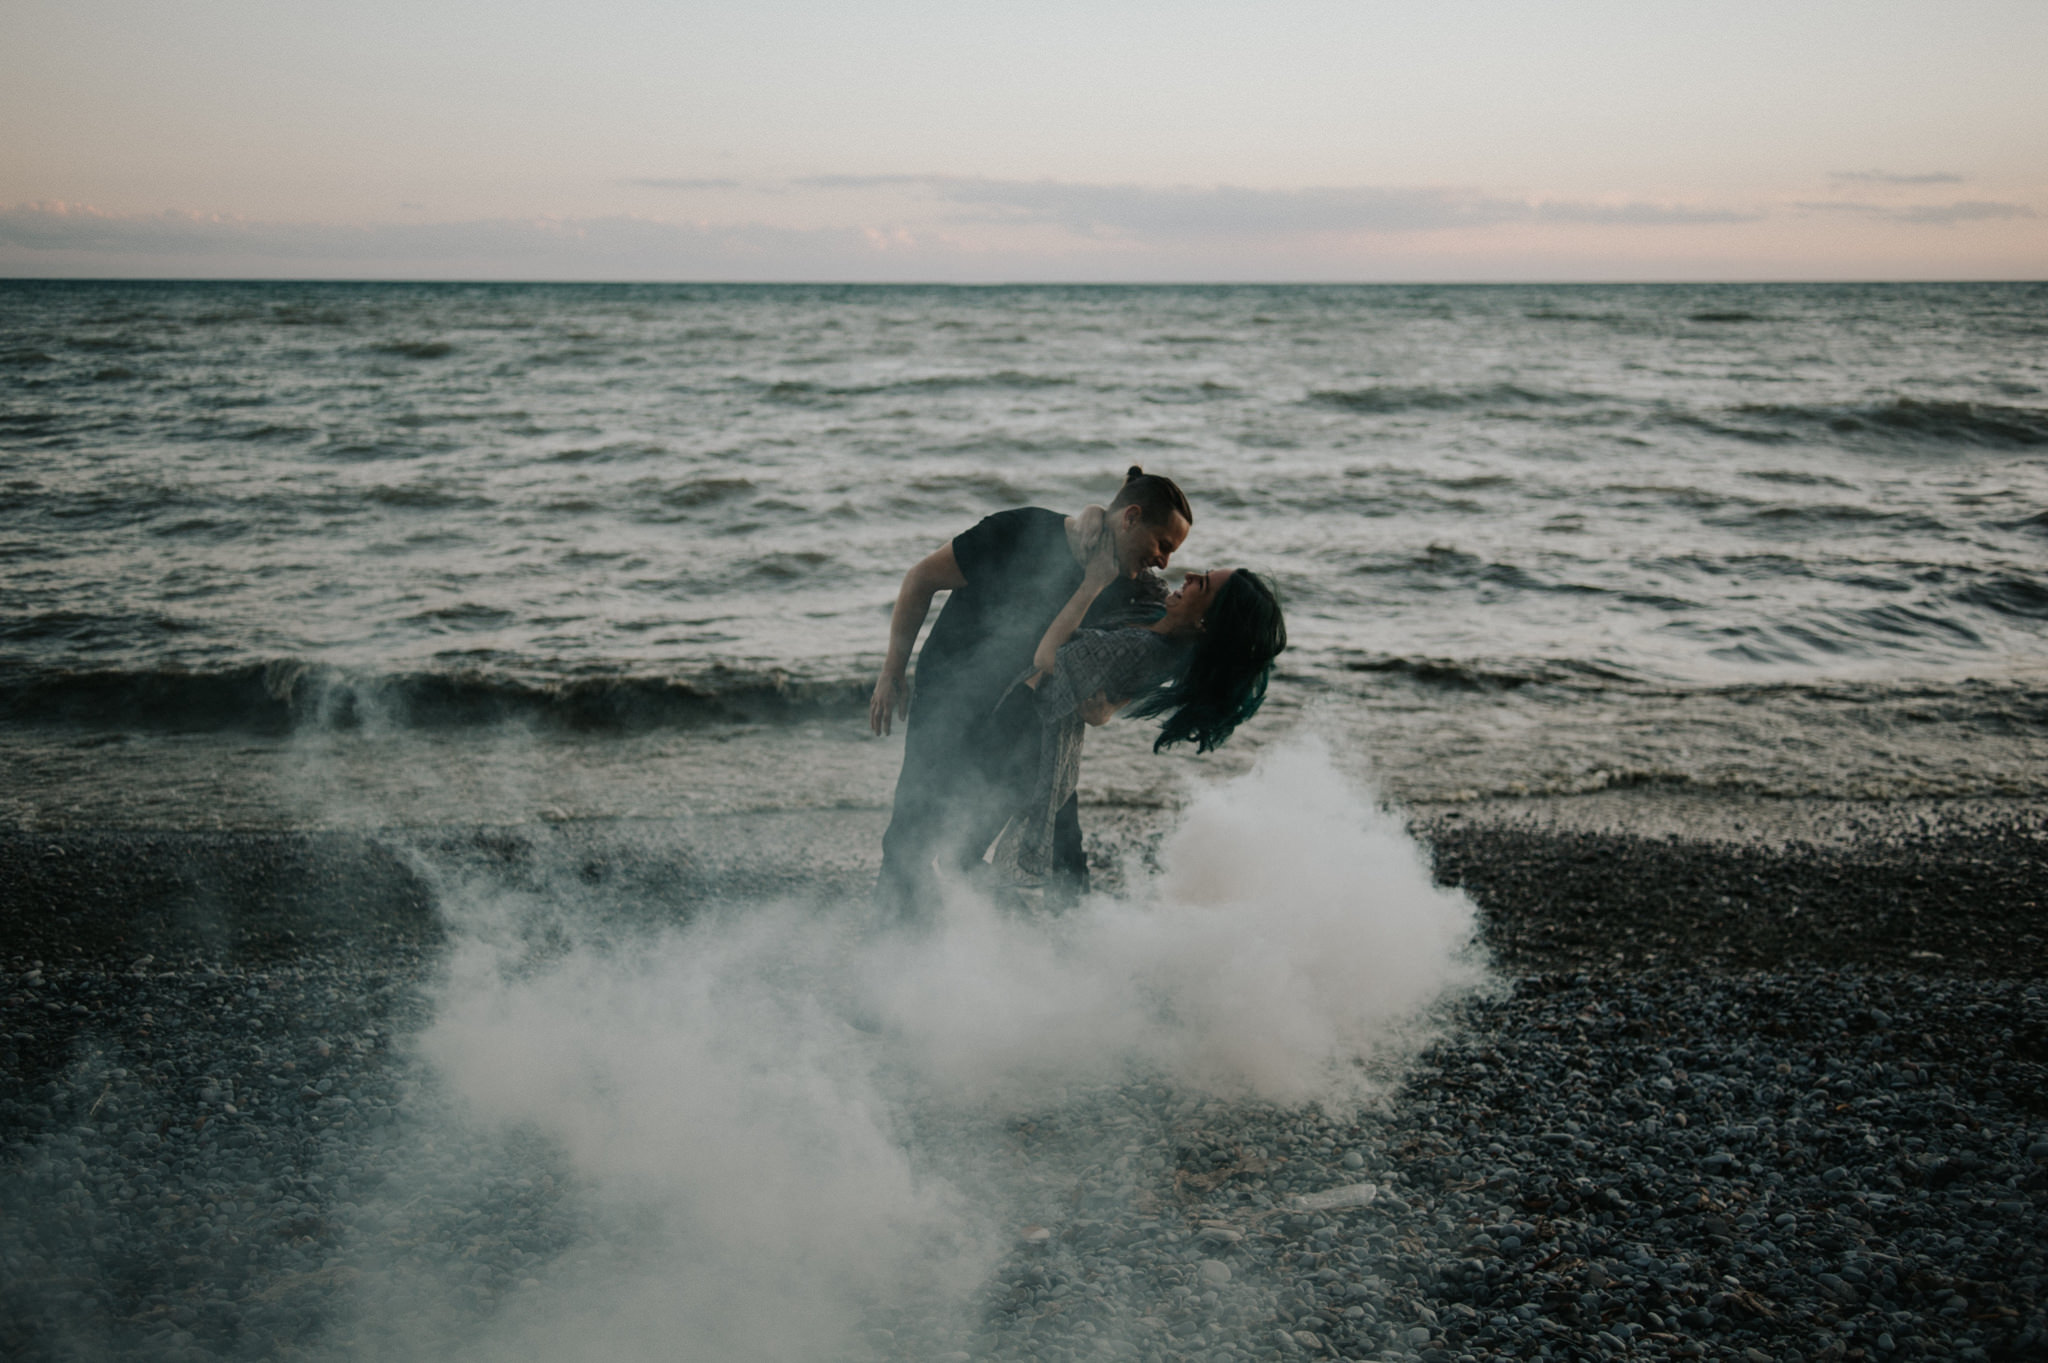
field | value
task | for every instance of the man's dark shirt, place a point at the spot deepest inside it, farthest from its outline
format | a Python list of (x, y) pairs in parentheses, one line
[(1019, 573)]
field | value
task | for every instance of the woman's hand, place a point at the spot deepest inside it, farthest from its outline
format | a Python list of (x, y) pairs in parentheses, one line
[(1092, 521), (1098, 570), (1099, 709), (891, 701)]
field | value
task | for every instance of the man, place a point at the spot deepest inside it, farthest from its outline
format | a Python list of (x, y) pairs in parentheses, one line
[(1009, 576)]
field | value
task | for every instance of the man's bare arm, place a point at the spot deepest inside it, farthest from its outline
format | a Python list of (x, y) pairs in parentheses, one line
[(937, 572)]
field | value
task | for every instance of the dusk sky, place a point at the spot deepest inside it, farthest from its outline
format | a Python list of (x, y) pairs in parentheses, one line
[(905, 140)]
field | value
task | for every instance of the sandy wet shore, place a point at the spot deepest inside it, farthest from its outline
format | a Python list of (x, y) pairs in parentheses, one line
[(1738, 1097)]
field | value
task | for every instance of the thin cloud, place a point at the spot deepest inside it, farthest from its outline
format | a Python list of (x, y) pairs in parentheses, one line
[(1931, 215), (1885, 177), (533, 246), (656, 182), (1224, 210), (1946, 215)]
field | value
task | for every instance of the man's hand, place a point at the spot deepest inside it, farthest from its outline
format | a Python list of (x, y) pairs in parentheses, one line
[(936, 572), (1099, 709), (890, 702)]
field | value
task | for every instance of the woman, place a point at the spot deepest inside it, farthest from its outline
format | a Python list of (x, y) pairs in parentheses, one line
[(1203, 666)]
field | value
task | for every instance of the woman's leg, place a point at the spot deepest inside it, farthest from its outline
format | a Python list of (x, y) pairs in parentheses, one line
[(1069, 879)]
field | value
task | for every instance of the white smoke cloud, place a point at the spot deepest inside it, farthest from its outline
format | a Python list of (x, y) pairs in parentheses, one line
[(779, 1107), (1295, 929)]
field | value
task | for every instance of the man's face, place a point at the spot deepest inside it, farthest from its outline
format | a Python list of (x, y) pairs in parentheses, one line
[(1141, 544)]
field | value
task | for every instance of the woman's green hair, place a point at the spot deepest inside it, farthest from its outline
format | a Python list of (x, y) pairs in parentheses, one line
[(1223, 682)]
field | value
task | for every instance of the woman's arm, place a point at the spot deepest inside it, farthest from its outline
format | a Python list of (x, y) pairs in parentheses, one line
[(1100, 572), (936, 572), (1099, 671)]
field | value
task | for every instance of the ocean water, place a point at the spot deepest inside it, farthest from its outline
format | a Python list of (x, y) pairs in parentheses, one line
[(1780, 539)]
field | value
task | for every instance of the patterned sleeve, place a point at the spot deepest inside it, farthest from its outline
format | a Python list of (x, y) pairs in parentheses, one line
[(1128, 601), (1121, 662)]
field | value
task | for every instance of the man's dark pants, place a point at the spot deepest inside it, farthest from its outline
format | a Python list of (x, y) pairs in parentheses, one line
[(964, 772)]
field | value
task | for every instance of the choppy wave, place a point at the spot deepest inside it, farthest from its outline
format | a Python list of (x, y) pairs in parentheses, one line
[(1383, 399), (698, 492), (424, 497), (2009, 593), (1499, 674), (587, 482), (284, 696), (1802, 518), (802, 391), (415, 350), (1989, 701), (1568, 315), (1967, 423)]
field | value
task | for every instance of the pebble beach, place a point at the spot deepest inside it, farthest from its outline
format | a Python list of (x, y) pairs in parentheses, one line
[(1720, 1100)]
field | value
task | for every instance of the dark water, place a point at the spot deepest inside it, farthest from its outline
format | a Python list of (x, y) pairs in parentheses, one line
[(1753, 510)]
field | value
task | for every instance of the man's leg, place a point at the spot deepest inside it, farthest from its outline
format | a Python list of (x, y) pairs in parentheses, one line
[(924, 817), (905, 890), (993, 788), (1069, 879)]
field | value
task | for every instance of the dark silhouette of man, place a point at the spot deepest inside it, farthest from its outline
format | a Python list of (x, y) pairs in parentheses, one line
[(1009, 576)]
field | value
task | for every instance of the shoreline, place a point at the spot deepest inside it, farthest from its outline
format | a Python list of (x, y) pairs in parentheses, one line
[(1562, 883)]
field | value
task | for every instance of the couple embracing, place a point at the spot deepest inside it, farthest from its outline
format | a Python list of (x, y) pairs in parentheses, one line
[(1054, 623)]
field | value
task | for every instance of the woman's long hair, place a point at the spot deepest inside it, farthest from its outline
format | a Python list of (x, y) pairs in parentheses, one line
[(1224, 680)]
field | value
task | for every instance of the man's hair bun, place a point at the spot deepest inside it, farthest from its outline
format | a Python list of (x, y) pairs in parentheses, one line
[(1155, 496)]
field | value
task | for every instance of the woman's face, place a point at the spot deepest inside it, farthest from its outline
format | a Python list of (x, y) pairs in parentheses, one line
[(1186, 608)]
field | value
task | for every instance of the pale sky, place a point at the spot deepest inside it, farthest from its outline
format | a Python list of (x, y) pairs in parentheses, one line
[(924, 140)]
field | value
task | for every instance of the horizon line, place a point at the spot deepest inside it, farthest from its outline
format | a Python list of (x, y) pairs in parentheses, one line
[(1788, 282)]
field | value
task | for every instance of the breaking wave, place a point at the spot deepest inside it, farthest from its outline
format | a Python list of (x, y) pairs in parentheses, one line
[(284, 695)]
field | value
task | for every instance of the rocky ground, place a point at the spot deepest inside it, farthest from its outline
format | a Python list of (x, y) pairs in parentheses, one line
[(1736, 1102), (1809, 1164)]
